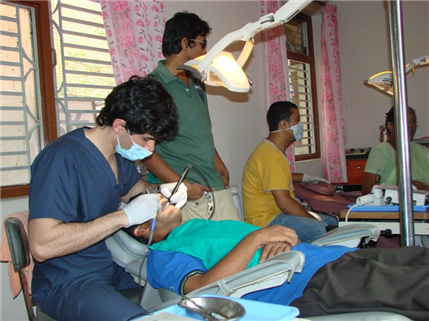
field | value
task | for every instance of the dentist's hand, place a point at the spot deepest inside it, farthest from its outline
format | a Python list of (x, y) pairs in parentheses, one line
[(313, 179), (142, 209), (179, 198)]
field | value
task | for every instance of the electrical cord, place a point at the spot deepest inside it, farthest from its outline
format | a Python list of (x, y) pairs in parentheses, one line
[(348, 212)]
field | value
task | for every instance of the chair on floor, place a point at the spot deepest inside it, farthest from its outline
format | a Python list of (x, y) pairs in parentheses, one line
[(21, 258), (20, 254)]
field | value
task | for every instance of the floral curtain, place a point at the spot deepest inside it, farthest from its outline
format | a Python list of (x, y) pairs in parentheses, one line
[(334, 135), (276, 65), (134, 30)]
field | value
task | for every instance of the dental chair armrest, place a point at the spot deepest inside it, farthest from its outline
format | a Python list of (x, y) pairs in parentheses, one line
[(349, 232), (273, 272), (124, 248)]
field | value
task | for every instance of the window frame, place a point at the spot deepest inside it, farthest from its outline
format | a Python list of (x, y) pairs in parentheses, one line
[(309, 59), (45, 53)]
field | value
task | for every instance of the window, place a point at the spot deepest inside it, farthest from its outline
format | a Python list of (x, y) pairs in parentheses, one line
[(83, 71), (37, 105), (299, 42)]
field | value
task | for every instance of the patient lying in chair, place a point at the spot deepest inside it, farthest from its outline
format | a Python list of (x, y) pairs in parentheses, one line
[(334, 279)]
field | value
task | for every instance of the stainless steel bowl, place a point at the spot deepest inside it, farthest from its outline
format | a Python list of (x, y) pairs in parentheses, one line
[(213, 308)]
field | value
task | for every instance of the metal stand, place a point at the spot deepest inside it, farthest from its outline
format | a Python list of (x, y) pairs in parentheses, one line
[(401, 124)]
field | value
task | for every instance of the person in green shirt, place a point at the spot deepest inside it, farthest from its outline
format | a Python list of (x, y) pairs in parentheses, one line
[(185, 38), (381, 165)]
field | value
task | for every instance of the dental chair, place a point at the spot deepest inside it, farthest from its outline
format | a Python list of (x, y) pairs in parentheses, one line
[(128, 253), (324, 198)]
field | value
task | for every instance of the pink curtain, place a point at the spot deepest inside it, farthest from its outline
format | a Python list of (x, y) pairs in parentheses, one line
[(332, 101), (276, 65), (134, 30)]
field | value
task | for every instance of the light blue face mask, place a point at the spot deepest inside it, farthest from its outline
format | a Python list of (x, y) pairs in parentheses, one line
[(136, 152), (298, 131)]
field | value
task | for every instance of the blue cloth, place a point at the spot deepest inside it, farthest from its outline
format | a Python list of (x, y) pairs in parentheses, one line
[(170, 270), (71, 181), (206, 243), (307, 229)]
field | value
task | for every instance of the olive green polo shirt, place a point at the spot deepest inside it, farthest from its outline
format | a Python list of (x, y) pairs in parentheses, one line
[(194, 144)]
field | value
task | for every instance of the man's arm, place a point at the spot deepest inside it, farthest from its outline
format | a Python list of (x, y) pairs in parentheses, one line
[(368, 181), (297, 177), (288, 205), (238, 259), (157, 166), (140, 187), (221, 168), (50, 238)]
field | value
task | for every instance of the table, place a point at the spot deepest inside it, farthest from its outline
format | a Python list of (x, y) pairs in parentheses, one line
[(386, 220)]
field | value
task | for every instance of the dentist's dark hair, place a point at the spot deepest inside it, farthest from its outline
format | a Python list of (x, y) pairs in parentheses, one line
[(183, 24), (279, 111), (144, 104)]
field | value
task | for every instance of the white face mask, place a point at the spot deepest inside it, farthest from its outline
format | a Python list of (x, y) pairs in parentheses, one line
[(136, 152), (298, 131)]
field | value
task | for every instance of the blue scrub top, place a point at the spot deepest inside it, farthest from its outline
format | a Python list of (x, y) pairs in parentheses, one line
[(71, 181)]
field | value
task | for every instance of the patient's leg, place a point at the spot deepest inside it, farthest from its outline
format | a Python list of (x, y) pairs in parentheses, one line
[(393, 280)]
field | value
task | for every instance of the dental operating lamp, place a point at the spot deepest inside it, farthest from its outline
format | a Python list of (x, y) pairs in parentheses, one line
[(383, 80), (220, 68)]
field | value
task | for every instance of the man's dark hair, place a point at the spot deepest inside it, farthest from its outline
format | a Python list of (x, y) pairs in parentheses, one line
[(390, 116), (279, 111), (183, 24), (144, 104)]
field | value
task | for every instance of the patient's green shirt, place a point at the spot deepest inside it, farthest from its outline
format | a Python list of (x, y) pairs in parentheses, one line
[(202, 239)]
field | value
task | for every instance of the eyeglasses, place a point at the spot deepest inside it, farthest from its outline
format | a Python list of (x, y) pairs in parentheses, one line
[(202, 42)]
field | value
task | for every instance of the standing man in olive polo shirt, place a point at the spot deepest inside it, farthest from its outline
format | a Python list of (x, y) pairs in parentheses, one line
[(185, 39)]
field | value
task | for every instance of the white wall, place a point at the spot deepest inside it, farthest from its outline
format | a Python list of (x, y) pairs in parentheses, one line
[(239, 119), (365, 51)]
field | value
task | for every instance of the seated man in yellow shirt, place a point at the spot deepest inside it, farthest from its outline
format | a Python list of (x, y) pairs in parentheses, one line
[(268, 194)]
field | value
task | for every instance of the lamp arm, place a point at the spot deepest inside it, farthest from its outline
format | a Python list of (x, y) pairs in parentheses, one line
[(416, 63), (243, 34), (269, 21), (245, 53)]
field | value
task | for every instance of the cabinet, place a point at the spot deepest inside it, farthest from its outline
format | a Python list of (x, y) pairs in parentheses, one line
[(355, 170)]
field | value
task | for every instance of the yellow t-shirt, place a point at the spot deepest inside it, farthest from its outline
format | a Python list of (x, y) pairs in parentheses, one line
[(267, 169)]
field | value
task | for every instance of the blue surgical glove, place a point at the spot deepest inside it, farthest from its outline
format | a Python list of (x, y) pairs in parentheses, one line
[(142, 209), (179, 198)]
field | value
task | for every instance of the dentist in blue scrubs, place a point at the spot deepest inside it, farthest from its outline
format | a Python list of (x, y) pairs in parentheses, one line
[(77, 185)]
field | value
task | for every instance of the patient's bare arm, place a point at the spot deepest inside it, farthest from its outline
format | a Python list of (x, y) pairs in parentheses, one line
[(238, 259)]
